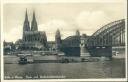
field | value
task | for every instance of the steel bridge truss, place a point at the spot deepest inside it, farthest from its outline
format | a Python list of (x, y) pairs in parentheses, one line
[(112, 34)]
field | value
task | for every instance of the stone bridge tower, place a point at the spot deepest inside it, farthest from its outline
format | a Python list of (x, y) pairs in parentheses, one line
[(83, 45)]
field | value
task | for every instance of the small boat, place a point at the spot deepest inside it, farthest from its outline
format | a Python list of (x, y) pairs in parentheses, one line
[(23, 60), (61, 53), (115, 53), (103, 58)]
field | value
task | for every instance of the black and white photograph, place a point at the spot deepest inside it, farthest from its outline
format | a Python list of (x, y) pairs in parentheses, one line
[(64, 40)]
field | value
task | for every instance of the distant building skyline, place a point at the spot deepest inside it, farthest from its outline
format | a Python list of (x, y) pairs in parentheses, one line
[(68, 17)]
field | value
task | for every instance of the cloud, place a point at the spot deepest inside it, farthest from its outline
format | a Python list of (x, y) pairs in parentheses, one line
[(90, 21), (86, 21), (49, 27), (14, 34), (52, 25)]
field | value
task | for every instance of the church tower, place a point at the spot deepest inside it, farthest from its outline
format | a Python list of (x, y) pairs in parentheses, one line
[(34, 26), (58, 39), (26, 26), (77, 32)]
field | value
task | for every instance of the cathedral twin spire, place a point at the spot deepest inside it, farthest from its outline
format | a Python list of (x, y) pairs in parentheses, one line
[(34, 23), (26, 26)]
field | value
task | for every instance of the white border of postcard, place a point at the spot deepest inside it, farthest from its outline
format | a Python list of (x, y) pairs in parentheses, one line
[(62, 1)]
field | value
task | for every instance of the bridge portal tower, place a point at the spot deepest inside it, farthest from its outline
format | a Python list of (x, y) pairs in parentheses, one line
[(83, 44)]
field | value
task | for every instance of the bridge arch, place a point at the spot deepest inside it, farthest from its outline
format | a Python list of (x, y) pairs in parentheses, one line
[(112, 34)]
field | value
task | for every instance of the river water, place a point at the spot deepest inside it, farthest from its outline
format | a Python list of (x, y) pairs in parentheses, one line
[(82, 70)]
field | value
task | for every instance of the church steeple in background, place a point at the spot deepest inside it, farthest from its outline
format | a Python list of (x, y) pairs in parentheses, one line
[(26, 26), (77, 32), (58, 40), (34, 26)]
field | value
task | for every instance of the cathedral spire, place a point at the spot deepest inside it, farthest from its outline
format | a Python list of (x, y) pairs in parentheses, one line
[(26, 16), (34, 18), (34, 26), (26, 26)]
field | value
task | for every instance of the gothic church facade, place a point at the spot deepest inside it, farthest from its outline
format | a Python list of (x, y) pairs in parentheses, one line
[(32, 38)]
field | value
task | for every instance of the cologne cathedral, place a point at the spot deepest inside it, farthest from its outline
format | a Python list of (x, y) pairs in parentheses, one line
[(32, 38)]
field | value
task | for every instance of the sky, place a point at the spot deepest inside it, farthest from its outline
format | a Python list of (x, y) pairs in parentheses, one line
[(68, 17)]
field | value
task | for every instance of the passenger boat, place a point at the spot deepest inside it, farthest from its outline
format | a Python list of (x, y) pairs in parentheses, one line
[(23, 60)]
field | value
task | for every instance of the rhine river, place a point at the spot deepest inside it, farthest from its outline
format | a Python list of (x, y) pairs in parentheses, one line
[(82, 70)]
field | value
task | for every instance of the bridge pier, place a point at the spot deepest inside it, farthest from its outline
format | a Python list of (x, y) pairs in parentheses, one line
[(83, 50)]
